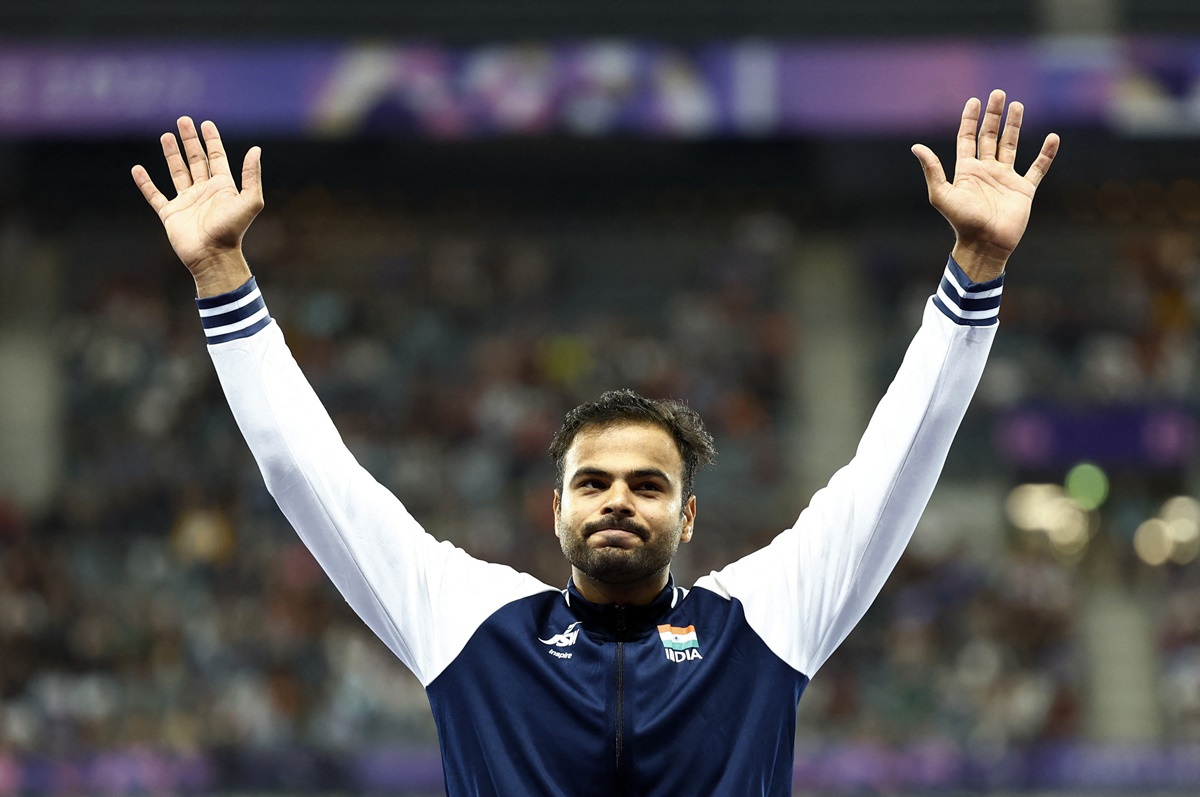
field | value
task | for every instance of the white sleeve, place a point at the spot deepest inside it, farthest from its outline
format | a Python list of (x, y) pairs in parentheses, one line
[(807, 589), (422, 597)]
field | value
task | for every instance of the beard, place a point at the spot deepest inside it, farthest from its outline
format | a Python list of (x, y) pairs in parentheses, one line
[(613, 565)]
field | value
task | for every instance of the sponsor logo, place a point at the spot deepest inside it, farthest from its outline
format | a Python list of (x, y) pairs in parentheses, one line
[(680, 644), (564, 640)]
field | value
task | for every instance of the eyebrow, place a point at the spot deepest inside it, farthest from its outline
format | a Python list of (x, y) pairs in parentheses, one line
[(640, 473)]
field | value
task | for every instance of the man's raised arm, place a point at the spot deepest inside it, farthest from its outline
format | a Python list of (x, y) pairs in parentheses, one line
[(805, 591), (422, 598)]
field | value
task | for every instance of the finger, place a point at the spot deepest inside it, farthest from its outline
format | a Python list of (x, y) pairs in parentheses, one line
[(252, 177), (180, 175), (967, 127), (1007, 153), (1042, 164), (218, 162), (989, 130), (142, 179), (935, 175), (192, 148)]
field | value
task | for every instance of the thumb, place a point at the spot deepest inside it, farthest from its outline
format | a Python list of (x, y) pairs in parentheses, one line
[(252, 178), (935, 176)]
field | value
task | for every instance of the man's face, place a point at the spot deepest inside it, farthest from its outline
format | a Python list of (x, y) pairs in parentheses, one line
[(620, 514)]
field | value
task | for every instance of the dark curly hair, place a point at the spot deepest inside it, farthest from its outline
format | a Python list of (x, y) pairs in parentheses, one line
[(622, 406)]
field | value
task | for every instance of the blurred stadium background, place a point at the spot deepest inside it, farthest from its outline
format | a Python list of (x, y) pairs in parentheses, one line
[(480, 214)]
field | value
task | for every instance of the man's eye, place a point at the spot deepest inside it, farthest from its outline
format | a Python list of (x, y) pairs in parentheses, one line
[(650, 487)]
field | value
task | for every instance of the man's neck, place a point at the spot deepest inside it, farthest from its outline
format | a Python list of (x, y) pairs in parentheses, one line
[(636, 593)]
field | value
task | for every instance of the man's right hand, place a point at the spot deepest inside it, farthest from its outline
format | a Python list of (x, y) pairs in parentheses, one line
[(206, 220)]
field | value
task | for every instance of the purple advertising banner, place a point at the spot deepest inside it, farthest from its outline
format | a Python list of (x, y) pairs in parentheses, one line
[(114, 89), (592, 88), (1122, 436)]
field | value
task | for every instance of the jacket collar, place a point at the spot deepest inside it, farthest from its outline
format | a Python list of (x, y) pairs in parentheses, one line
[(617, 622)]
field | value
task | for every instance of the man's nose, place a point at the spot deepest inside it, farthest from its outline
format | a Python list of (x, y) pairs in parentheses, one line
[(618, 502)]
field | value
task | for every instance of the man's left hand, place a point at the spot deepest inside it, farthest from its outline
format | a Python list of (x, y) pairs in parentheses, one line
[(988, 203)]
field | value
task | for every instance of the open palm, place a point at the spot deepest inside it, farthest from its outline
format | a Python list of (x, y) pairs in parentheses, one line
[(207, 218), (988, 203)]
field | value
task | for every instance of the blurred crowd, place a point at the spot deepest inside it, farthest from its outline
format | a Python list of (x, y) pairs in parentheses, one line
[(162, 601), (981, 657), (1099, 347)]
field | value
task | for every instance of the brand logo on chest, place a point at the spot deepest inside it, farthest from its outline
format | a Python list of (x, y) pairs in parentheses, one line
[(680, 644), (564, 640)]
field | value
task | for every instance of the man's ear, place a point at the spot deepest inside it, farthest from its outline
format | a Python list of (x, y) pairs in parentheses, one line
[(557, 507), (689, 518)]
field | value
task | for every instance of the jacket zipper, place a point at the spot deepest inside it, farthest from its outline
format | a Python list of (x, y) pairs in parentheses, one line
[(620, 696)]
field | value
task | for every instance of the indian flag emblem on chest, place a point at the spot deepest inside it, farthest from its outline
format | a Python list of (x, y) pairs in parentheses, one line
[(680, 644)]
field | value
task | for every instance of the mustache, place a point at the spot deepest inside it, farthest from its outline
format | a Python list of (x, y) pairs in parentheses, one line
[(616, 524)]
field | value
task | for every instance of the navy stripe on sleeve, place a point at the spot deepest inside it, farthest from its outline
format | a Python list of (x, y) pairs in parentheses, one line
[(237, 314), (968, 303)]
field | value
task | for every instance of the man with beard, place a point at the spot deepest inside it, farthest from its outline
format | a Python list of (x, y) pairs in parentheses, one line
[(624, 502), (622, 683)]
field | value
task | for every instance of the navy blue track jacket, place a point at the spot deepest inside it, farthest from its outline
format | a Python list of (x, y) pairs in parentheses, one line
[(535, 690)]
